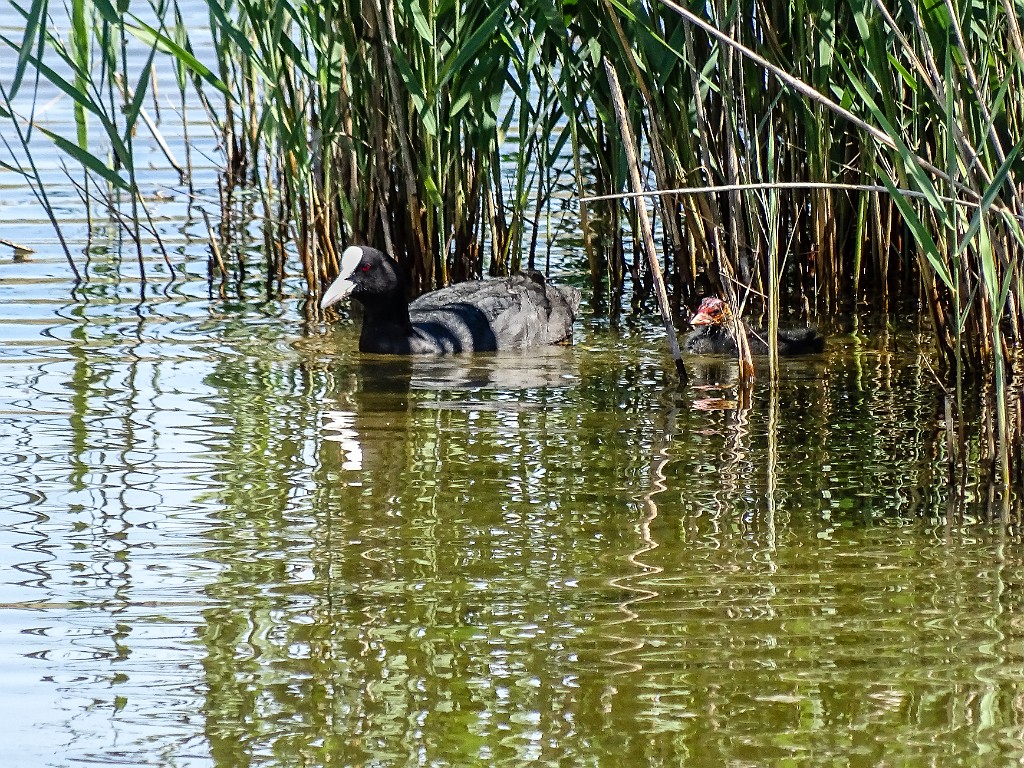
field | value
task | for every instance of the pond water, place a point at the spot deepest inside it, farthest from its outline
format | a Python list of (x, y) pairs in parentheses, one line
[(230, 539)]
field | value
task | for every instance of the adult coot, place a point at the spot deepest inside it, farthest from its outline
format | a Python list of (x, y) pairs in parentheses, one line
[(475, 316), (714, 335)]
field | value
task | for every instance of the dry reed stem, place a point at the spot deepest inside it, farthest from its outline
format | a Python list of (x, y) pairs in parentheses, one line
[(645, 223), (18, 248)]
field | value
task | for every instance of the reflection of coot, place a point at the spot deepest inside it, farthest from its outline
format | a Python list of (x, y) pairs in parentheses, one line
[(713, 334), (370, 419), (551, 367), (476, 316)]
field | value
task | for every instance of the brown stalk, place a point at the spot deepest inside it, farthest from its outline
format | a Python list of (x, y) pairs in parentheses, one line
[(670, 222), (645, 223)]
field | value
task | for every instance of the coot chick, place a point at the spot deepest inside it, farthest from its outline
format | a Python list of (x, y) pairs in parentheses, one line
[(475, 316), (713, 334)]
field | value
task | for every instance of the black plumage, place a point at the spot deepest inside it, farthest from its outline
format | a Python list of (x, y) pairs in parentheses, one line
[(476, 316), (713, 334)]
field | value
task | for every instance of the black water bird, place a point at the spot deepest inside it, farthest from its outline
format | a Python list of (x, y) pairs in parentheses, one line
[(713, 334), (476, 316)]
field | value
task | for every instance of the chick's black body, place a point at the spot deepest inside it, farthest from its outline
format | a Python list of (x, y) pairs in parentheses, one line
[(713, 334), (476, 316)]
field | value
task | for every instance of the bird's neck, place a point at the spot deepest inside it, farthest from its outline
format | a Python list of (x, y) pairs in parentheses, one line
[(385, 316), (385, 308)]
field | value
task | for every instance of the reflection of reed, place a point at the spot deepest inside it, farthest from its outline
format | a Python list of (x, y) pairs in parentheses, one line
[(772, 467), (656, 484), (735, 471)]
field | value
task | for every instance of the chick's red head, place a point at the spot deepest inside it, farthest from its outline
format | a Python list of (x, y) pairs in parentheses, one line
[(712, 311)]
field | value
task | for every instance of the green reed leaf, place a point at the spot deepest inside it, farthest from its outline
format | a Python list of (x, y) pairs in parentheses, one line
[(31, 38), (999, 179), (912, 168), (78, 95), (475, 43), (86, 159), (158, 40), (132, 109), (922, 235)]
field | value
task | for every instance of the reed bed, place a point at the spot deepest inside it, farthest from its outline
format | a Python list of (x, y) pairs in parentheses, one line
[(815, 158)]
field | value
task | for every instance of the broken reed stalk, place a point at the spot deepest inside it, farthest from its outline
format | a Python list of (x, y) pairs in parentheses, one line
[(645, 222), (16, 247)]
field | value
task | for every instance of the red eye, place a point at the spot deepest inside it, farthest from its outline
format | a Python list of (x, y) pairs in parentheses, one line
[(364, 267)]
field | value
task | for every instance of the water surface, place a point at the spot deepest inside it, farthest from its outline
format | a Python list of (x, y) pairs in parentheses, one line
[(229, 539)]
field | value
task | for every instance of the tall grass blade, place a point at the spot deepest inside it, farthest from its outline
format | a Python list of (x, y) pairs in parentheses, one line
[(32, 38), (87, 159)]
